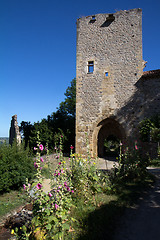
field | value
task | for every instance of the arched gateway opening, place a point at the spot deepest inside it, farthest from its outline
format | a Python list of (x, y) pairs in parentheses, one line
[(109, 136)]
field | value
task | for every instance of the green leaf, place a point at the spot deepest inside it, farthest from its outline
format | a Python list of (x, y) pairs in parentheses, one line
[(48, 226), (52, 218), (47, 212), (66, 226)]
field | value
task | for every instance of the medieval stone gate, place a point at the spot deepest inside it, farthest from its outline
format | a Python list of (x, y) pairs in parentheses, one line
[(113, 92)]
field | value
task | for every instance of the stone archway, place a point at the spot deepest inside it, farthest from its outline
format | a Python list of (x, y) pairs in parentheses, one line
[(108, 127)]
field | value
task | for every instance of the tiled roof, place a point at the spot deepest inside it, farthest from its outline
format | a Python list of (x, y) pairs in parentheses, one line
[(151, 74)]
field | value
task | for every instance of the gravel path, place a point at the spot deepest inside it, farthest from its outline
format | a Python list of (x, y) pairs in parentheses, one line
[(142, 222)]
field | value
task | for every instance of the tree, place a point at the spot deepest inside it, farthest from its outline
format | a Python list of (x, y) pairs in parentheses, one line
[(63, 120), (26, 128), (69, 105)]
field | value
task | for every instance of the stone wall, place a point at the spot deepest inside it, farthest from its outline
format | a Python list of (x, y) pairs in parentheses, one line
[(114, 96), (14, 131)]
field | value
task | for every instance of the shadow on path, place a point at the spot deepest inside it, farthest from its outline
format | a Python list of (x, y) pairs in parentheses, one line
[(142, 222)]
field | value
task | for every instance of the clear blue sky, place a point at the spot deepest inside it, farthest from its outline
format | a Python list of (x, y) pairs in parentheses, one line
[(38, 51)]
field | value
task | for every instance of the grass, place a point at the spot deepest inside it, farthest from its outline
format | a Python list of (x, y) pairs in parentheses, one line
[(10, 201)]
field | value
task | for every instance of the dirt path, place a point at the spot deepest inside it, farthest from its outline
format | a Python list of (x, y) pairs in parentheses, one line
[(142, 222)]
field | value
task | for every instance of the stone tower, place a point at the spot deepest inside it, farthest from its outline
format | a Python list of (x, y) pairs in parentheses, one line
[(109, 64), (14, 131)]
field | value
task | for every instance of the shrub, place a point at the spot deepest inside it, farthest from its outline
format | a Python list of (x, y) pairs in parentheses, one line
[(131, 167), (15, 166)]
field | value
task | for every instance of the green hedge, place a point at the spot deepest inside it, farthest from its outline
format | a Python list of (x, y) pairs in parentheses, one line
[(16, 165)]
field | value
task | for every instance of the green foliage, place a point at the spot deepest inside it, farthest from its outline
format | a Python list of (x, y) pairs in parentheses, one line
[(69, 105), (76, 199), (149, 129), (111, 145), (51, 211), (131, 166), (15, 165)]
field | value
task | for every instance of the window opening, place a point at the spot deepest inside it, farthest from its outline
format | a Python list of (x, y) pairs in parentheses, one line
[(93, 19), (90, 67), (108, 21), (106, 74)]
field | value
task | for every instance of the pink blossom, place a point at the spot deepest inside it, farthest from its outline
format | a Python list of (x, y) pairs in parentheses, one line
[(35, 165), (42, 160), (71, 147), (39, 186), (35, 148), (68, 189), (65, 184), (50, 194), (61, 136), (59, 163), (24, 186), (72, 191), (40, 168), (62, 171), (41, 147), (56, 206), (29, 185), (59, 174), (57, 190), (120, 144), (55, 174), (136, 147)]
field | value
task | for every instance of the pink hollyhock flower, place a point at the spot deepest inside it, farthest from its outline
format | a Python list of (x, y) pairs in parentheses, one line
[(61, 136), (59, 163), (71, 147), (41, 147), (35, 165), (35, 148), (39, 186), (59, 174), (55, 174), (24, 186), (72, 191), (56, 206), (42, 160), (65, 184), (62, 171), (136, 147), (50, 194)]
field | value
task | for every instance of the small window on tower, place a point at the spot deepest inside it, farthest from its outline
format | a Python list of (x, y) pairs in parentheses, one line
[(90, 67), (106, 74)]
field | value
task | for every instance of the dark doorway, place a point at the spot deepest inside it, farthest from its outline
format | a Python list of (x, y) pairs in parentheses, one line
[(109, 137), (111, 146)]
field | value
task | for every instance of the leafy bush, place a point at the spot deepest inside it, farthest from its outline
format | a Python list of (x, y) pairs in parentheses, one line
[(132, 167), (149, 129), (15, 166)]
